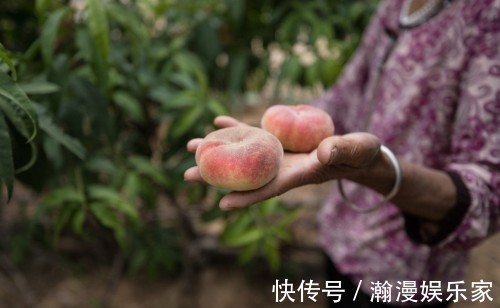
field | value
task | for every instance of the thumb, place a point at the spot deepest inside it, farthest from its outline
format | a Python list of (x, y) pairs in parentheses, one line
[(353, 150), (227, 121)]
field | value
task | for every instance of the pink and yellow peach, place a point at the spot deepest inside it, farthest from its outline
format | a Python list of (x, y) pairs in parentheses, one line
[(300, 128), (239, 158)]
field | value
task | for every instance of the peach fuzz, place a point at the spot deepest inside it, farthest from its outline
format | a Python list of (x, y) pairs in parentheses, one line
[(300, 128), (239, 158)]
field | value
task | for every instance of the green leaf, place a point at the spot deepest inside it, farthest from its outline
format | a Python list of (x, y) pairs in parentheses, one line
[(92, 101), (101, 165), (290, 70), (48, 35), (271, 249), (113, 199), (17, 107), (238, 66), (138, 259), (213, 213), (244, 238), (162, 94), (53, 151), (248, 252), (184, 99), (98, 41), (312, 74), (330, 69), (182, 80), (144, 166), (189, 65), (98, 25), (217, 107), (129, 104), (237, 10), (46, 125), (187, 120), (107, 217), (41, 7), (31, 161), (4, 56), (63, 218), (269, 207), (289, 218), (6, 159), (133, 27), (237, 226), (132, 186), (62, 196), (78, 220), (39, 87)]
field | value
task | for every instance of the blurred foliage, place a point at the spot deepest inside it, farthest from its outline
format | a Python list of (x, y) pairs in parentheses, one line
[(98, 99), (304, 42)]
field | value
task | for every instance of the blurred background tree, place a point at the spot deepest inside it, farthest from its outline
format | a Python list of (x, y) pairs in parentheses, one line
[(98, 99)]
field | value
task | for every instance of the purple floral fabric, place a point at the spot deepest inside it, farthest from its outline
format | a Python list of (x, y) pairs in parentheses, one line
[(432, 95)]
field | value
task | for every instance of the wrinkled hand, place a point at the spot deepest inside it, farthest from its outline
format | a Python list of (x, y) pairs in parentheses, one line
[(336, 157)]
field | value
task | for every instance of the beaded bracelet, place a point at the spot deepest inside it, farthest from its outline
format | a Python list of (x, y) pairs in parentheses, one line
[(388, 197)]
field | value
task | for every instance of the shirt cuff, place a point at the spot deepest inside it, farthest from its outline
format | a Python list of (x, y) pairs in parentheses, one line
[(413, 224)]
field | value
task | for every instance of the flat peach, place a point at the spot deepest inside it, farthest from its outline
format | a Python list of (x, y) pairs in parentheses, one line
[(239, 158), (300, 128)]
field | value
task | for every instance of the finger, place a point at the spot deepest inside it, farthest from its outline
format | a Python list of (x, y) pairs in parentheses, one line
[(354, 150), (241, 199), (193, 175), (193, 144), (227, 121), (238, 199)]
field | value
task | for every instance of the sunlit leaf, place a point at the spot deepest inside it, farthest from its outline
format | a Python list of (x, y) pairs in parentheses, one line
[(235, 227), (244, 238)]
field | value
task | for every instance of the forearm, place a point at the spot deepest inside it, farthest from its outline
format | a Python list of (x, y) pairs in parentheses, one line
[(426, 193)]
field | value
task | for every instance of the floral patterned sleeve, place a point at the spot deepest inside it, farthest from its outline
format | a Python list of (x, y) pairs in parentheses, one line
[(474, 163), (476, 142)]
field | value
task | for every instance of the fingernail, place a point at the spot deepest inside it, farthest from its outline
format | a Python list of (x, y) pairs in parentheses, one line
[(333, 155)]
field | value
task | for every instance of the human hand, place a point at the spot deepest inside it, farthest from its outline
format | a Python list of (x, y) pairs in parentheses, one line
[(336, 157)]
